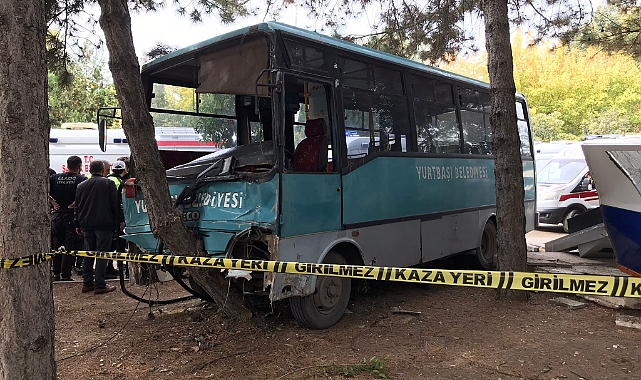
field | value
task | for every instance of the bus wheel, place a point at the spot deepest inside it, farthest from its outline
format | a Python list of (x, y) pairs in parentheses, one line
[(487, 250), (570, 214), (328, 303)]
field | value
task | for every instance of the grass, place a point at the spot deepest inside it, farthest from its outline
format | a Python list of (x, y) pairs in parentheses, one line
[(374, 366)]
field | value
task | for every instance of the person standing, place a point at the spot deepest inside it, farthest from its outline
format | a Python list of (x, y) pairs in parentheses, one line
[(97, 215), (107, 168), (119, 171), (126, 175), (62, 193)]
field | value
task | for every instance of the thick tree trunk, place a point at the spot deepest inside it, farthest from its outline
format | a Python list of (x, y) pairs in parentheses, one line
[(508, 170), (166, 220), (26, 301)]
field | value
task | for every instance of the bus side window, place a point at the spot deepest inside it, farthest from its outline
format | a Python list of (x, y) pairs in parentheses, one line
[(375, 108), (383, 119), (437, 128), (477, 132)]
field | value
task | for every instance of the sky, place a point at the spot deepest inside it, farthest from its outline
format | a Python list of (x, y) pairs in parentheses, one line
[(166, 26), (169, 28)]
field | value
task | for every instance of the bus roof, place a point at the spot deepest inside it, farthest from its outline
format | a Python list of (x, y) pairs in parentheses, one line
[(272, 26)]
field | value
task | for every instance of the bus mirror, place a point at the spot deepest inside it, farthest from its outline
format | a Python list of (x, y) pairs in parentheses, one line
[(102, 135)]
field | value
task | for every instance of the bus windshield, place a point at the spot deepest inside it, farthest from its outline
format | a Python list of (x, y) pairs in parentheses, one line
[(561, 171)]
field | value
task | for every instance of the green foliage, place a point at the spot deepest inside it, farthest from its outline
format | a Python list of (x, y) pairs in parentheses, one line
[(579, 86), (572, 92), (433, 30), (427, 31), (219, 130), (548, 127), (374, 366), (76, 94), (216, 129), (612, 121), (66, 25), (615, 28)]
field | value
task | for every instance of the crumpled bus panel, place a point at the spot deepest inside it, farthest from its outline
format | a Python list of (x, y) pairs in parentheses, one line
[(218, 211)]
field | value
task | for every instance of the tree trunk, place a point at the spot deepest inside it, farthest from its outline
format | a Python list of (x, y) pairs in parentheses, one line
[(508, 169), (165, 219), (26, 301)]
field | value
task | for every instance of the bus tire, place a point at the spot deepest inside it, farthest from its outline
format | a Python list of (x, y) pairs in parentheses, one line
[(486, 252), (570, 214), (326, 306)]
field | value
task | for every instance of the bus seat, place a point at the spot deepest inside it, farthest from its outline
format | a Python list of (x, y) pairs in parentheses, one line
[(330, 167), (311, 153)]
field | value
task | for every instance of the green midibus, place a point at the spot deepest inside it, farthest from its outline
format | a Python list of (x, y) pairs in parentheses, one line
[(326, 152)]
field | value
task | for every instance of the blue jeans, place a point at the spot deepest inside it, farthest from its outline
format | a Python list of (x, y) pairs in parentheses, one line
[(96, 240)]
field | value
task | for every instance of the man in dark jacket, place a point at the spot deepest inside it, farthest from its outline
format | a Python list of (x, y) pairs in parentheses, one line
[(97, 216), (62, 192)]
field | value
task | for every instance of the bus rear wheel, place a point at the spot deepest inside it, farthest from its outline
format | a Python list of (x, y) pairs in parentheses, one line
[(328, 303), (487, 250)]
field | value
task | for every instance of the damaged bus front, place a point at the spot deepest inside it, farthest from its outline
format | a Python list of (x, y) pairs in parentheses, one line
[(233, 90)]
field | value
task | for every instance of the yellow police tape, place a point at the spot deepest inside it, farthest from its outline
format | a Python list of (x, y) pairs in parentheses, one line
[(615, 286)]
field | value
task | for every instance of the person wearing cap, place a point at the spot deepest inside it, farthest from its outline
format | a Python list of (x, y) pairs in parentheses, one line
[(118, 172), (127, 174)]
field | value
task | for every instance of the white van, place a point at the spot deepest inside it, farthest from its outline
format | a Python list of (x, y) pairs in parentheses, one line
[(565, 187), (81, 139), (544, 152)]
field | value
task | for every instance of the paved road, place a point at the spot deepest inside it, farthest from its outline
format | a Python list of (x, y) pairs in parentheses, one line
[(544, 234)]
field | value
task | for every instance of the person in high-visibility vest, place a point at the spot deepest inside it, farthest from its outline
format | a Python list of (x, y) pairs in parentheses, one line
[(118, 172)]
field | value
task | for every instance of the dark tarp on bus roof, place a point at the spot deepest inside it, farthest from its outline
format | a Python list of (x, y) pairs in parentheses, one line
[(234, 70)]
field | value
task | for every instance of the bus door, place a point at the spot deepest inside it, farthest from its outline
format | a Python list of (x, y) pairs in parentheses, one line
[(311, 185)]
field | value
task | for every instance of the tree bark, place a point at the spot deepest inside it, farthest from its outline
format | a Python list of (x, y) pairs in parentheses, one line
[(165, 219), (508, 169), (26, 301)]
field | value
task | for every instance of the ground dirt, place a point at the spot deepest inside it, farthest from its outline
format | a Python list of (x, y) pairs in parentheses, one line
[(461, 333)]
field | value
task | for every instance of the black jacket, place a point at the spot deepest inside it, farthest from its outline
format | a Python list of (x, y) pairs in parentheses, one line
[(62, 188), (97, 206)]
